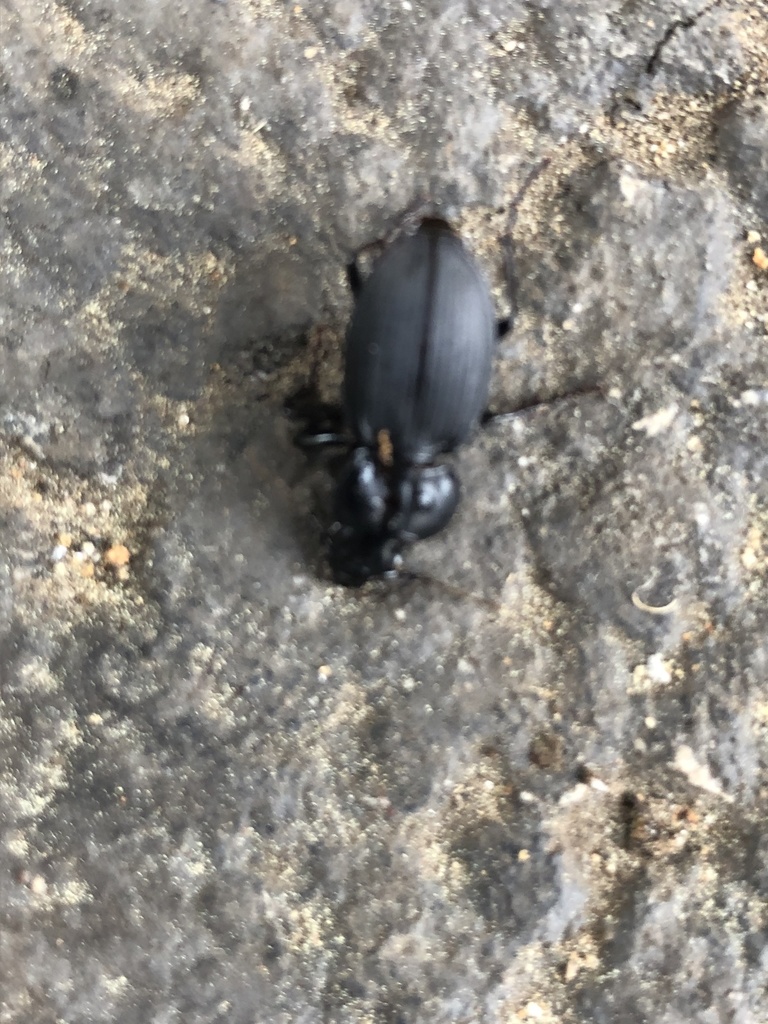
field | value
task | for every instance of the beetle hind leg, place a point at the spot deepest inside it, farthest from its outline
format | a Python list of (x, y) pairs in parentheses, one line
[(354, 277), (533, 404)]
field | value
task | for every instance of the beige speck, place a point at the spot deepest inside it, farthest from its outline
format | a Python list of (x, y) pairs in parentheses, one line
[(572, 967), (533, 1011), (310, 52), (694, 444), (749, 559), (524, 855), (38, 885), (657, 422), (760, 258), (698, 774), (118, 555), (753, 237)]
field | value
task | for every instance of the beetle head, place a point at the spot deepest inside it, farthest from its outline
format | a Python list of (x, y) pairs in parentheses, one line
[(380, 509), (357, 557), (361, 544)]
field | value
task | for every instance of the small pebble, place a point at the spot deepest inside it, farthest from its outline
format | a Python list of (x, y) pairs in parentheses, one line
[(760, 258), (657, 669), (118, 555)]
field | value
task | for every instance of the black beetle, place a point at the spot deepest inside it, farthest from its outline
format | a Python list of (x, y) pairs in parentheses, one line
[(418, 364)]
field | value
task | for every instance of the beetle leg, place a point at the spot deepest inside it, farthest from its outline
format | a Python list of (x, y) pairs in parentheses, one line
[(489, 416), (354, 277), (324, 422), (354, 273)]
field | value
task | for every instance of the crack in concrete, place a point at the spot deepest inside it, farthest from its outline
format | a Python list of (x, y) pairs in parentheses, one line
[(672, 30)]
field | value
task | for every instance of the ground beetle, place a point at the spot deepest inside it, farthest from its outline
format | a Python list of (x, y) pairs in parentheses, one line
[(418, 362)]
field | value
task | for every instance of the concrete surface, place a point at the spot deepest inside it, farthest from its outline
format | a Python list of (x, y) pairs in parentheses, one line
[(527, 783)]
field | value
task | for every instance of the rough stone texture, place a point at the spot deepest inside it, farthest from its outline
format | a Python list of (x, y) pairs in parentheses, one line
[(527, 781)]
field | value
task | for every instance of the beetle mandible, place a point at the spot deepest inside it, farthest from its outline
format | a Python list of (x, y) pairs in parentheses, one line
[(418, 362)]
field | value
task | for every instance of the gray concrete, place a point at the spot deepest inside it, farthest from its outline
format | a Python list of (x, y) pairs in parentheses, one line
[(530, 785)]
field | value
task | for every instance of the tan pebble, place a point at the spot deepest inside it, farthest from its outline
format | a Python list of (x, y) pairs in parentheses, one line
[(86, 569), (123, 573), (89, 509), (65, 539), (753, 237), (760, 258), (524, 855), (60, 569), (118, 555), (310, 52)]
